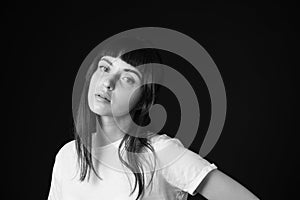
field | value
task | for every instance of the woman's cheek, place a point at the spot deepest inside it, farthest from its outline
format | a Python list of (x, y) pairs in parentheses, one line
[(119, 104), (135, 97), (91, 87), (123, 102)]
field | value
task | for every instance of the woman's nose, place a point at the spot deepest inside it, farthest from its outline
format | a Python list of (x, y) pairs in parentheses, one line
[(109, 83)]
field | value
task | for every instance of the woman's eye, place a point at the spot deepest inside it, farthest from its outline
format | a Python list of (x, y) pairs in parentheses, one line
[(104, 68), (128, 80)]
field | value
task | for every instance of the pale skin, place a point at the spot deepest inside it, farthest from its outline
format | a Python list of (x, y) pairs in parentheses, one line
[(217, 185), (119, 80)]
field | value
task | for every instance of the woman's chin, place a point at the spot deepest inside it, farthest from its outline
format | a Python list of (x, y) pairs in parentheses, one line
[(109, 111), (102, 113)]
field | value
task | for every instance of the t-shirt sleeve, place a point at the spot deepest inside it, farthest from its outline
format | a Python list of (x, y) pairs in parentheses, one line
[(61, 167), (55, 187), (180, 166)]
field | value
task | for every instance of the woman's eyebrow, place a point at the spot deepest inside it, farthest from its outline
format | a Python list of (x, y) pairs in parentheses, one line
[(133, 71), (106, 60)]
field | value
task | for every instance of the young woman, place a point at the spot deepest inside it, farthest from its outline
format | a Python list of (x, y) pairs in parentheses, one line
[(113, 159)]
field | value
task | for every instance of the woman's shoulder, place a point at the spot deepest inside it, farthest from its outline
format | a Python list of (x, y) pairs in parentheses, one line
[(66, 150), (162, 139)]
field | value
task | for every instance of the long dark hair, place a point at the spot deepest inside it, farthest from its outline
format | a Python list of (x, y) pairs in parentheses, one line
[(85, 122)]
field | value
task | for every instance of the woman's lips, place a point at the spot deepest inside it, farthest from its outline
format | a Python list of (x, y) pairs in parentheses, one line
[(101, 99)]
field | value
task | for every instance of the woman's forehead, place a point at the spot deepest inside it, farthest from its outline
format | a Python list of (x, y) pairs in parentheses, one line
[(117, 61)]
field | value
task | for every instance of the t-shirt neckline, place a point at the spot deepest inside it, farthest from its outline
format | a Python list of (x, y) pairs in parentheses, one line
[(115, 143)]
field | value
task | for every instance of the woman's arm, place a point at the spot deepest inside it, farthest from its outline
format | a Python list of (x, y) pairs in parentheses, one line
[(219, 186)]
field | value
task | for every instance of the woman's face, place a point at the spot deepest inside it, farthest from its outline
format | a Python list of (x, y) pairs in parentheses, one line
[(112, 85)]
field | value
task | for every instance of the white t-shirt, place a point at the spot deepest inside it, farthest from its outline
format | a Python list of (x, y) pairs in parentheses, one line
[(178, 172)]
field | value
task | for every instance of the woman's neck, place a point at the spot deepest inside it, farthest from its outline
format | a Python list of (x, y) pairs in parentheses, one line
[(109, 131)]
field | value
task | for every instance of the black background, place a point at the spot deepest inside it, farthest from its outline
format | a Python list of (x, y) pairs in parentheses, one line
[(253, 45)]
